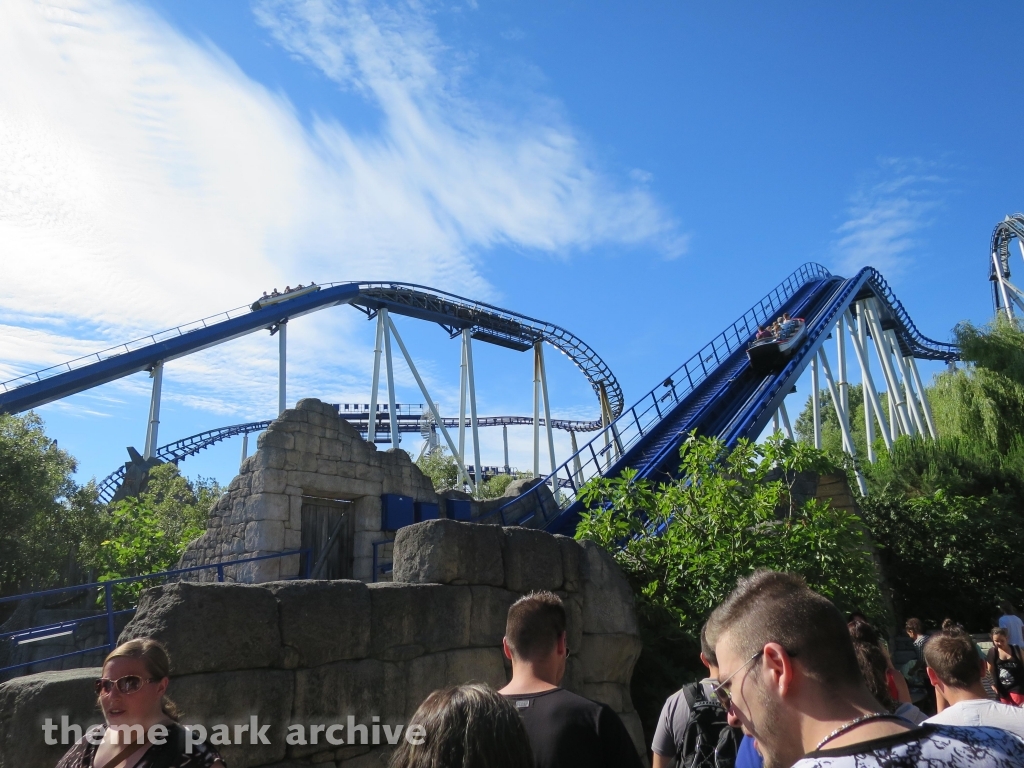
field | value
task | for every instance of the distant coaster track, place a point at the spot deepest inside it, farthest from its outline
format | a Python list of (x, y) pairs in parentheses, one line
[(485, 322)]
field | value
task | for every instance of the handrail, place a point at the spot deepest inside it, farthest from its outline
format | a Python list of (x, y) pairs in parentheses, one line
[(29, 634), (635, 422)]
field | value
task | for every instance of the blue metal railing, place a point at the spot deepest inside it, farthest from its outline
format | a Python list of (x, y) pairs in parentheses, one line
[(45, 631), (603, 450)]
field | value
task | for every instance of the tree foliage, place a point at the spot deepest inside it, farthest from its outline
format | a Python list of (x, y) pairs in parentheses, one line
[(49, 525), (684, 543), (441, 467)]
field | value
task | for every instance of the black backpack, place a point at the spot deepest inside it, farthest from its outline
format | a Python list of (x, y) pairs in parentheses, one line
[(708, 741)]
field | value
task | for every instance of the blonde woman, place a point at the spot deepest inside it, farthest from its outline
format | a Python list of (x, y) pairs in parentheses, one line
[(141, 727)]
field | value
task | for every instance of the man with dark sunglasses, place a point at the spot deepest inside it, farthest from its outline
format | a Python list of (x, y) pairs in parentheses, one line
[(790, 679)]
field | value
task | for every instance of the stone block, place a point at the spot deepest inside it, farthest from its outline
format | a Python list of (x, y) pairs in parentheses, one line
[(408, 620), (292, 538), (608, 603), (377, 758), (291, 415), (325, 621), (264, 536), (362, 689), (489, 615), (26, 702), (307, 443), (367, 511), (232, 698), (300, 461), (266, 506), (532, 559), (210, 627), (609, 658), (362, 568), (572, 552), (370, 472), (274, 439), (574, 619), (475, 665), (447, 551), (316, 406), (268, 480), (269, 457)]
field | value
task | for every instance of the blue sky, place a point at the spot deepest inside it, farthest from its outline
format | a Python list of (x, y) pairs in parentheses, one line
[(639, 173)]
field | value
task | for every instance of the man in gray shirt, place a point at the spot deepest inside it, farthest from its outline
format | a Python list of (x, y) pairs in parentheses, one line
[(670, 735)]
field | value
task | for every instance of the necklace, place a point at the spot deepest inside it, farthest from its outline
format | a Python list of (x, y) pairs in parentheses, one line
[(854, 723)]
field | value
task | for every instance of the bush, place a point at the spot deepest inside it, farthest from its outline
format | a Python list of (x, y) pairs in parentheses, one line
[(683, 545)]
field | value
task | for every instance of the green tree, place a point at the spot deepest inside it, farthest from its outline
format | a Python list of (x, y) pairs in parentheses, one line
[(147, 534), (49, 525), (684, 543), (948, 555), (441, 467)]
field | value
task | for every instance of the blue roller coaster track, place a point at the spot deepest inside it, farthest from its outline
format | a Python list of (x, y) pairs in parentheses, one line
[(716, 392)]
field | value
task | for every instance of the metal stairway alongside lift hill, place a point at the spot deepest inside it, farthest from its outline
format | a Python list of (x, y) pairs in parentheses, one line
[(716, 393)]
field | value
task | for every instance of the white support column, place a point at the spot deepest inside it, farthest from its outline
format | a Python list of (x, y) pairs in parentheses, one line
[(785, 420), (504, 439), (474, 426), (775, 422), (282, 366), (426, 396), (153, 425), (389, 328), (908, 391), (844, 422), (536, 409), (245, 447), (844, 386), (858, 336), (606, 419), (576, 460), (547, 418), (815, 403), (872, 403), (463, 386), (371, 424), (925, 405), (1007, 307), (892, 350), (898, 414)]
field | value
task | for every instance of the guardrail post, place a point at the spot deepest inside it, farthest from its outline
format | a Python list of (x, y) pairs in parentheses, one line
[(108, 602)]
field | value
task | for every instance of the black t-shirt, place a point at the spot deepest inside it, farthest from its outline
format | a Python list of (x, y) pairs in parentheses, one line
[(1008, 673), (567, 730)]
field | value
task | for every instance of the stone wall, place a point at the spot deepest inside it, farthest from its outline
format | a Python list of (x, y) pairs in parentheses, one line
[(310, 453), (308, 652)]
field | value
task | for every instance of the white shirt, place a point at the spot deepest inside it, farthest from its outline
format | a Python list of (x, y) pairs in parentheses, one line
[(982, 712), (927, 746), (1013, 625)]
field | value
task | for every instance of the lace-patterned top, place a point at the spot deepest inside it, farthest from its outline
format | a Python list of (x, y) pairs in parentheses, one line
[(170, 754)]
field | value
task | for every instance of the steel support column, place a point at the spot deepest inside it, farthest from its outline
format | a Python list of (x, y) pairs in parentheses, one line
[(426, 396), (576, 460), (504, 440), (463, 387), (844, 386), (896, 404), (474, 426), (872, 403), (389, 328), (1007, 307), (245, 447), (547, 417), (153, 425), (925, 405), (815, 403), (371, 424), (282, 366), (844, 422), (536, 410), (785, 420)]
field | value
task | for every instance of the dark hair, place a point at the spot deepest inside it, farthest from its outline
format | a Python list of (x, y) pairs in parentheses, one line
[(158, 664), (955, 659), (773, 607), (707, 647), (873, 667), (1006, 607), (999, 631), (862, 632), (535, 622), (470, 726), (915, 626)]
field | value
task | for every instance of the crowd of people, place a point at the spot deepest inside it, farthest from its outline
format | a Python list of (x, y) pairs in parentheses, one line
[(790, 682)]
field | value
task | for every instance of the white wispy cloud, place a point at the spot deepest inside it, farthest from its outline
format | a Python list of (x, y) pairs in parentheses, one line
[(145, 180), (885, 217)]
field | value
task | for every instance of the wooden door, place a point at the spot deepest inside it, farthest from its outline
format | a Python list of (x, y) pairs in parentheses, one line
[(328, 528)]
